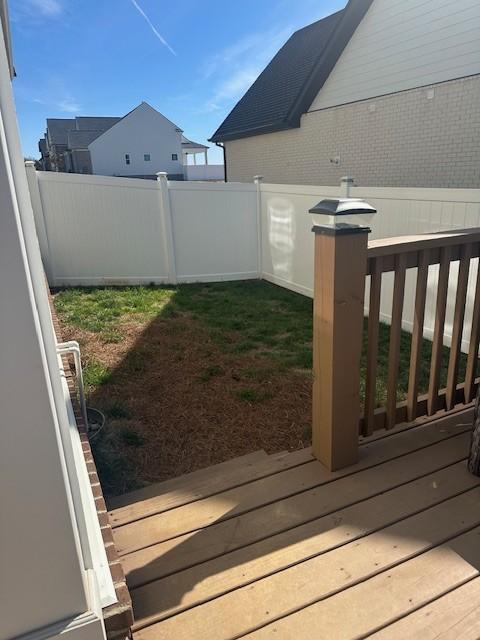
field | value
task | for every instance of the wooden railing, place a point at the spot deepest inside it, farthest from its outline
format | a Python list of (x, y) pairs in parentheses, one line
[(397, 255), (335, 432)]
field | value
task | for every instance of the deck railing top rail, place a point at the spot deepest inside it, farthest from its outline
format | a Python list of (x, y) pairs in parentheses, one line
[(412, 247)]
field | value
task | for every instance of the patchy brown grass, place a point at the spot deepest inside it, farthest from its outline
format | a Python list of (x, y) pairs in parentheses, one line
[(176, 400)]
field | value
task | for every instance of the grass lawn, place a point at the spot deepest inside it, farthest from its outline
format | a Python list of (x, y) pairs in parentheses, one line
[(192, 375)]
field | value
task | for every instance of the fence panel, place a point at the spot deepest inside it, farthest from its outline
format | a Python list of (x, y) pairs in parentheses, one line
[(102, 230), (214, 230), (287, 241)]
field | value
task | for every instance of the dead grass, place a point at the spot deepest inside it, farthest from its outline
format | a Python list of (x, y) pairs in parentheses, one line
[(194, 375)]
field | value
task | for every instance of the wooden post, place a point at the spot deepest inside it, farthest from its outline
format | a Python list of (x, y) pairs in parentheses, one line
[(339, 289)]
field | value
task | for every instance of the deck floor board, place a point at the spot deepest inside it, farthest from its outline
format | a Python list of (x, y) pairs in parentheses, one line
[(304, 553)]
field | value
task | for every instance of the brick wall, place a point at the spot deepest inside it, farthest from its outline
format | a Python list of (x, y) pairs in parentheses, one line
[(427, 137), (118, 617)]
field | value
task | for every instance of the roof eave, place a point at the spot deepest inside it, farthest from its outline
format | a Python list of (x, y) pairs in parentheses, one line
[(272, 127), (340, 37)]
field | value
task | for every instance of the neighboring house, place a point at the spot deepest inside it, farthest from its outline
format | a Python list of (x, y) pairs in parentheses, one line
[(140, 144), (65, 144), (385, 91)]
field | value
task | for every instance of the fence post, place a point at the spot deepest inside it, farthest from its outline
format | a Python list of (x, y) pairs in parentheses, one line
[(39, 217), (258, 183), (339, 289), (167, 223), (346, 184)]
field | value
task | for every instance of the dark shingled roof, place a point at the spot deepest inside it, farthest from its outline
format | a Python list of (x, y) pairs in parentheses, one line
[(42, 146), (58, 129), (81, 139), (288, 85), (95, 123)]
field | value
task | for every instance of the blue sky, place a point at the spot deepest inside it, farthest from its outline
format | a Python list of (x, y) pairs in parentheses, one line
[(192, 59)]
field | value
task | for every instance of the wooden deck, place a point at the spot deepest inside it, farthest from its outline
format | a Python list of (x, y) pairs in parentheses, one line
[(278, 547)]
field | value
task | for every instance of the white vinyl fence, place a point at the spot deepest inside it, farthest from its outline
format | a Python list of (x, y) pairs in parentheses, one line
[(97, 230), (204, 172), (100, 230)]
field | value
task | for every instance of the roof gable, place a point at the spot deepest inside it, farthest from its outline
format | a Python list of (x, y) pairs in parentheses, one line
[(138, 111), (290, 82)]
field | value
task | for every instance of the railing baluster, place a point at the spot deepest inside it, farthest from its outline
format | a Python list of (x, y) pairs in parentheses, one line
[(474, 343), (372, 346), (395, 337), (417, 334), (458, 319), (437, 346)]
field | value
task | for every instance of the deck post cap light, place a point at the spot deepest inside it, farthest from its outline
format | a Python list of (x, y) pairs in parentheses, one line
[(342, 215)]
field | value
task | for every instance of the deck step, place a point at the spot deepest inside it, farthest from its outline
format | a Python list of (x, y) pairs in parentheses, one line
[(179, 483), (177, 492)]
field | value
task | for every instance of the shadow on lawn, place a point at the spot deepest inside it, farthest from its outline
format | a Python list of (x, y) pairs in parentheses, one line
[(218, 370)]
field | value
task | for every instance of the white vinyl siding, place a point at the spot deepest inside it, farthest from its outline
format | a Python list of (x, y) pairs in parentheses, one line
[(121, 150), (403, 44)]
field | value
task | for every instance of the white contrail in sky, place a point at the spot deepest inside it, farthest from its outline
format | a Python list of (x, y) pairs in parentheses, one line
[(152, 26)]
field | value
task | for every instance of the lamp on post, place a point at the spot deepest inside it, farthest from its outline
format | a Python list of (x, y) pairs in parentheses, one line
[(343, 214), (341, 231)]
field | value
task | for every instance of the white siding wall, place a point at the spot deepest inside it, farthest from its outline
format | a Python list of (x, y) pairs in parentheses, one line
[(142, 131), (402, 44)]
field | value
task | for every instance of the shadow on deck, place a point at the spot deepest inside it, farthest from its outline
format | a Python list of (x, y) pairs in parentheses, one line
[(278, 547)]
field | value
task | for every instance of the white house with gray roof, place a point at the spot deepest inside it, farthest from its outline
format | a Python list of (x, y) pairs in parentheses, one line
[(387, 91), (140, 144)]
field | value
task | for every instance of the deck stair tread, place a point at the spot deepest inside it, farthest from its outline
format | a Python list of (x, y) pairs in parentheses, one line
[(169, 557), (202, 484), (189, 480), (293, 486), (282, 548)]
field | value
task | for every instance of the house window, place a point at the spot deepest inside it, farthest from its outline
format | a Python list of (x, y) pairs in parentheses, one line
[(127, 158), (146, 157), (174, 156)]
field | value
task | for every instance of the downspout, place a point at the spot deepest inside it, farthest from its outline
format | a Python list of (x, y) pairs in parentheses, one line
[(73, 347), (219, 144)]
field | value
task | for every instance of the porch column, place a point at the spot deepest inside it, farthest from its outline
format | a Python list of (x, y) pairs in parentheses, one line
[(206, 156)]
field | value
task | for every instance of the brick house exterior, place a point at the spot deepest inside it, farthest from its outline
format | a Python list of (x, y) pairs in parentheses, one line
[(389, 105)]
